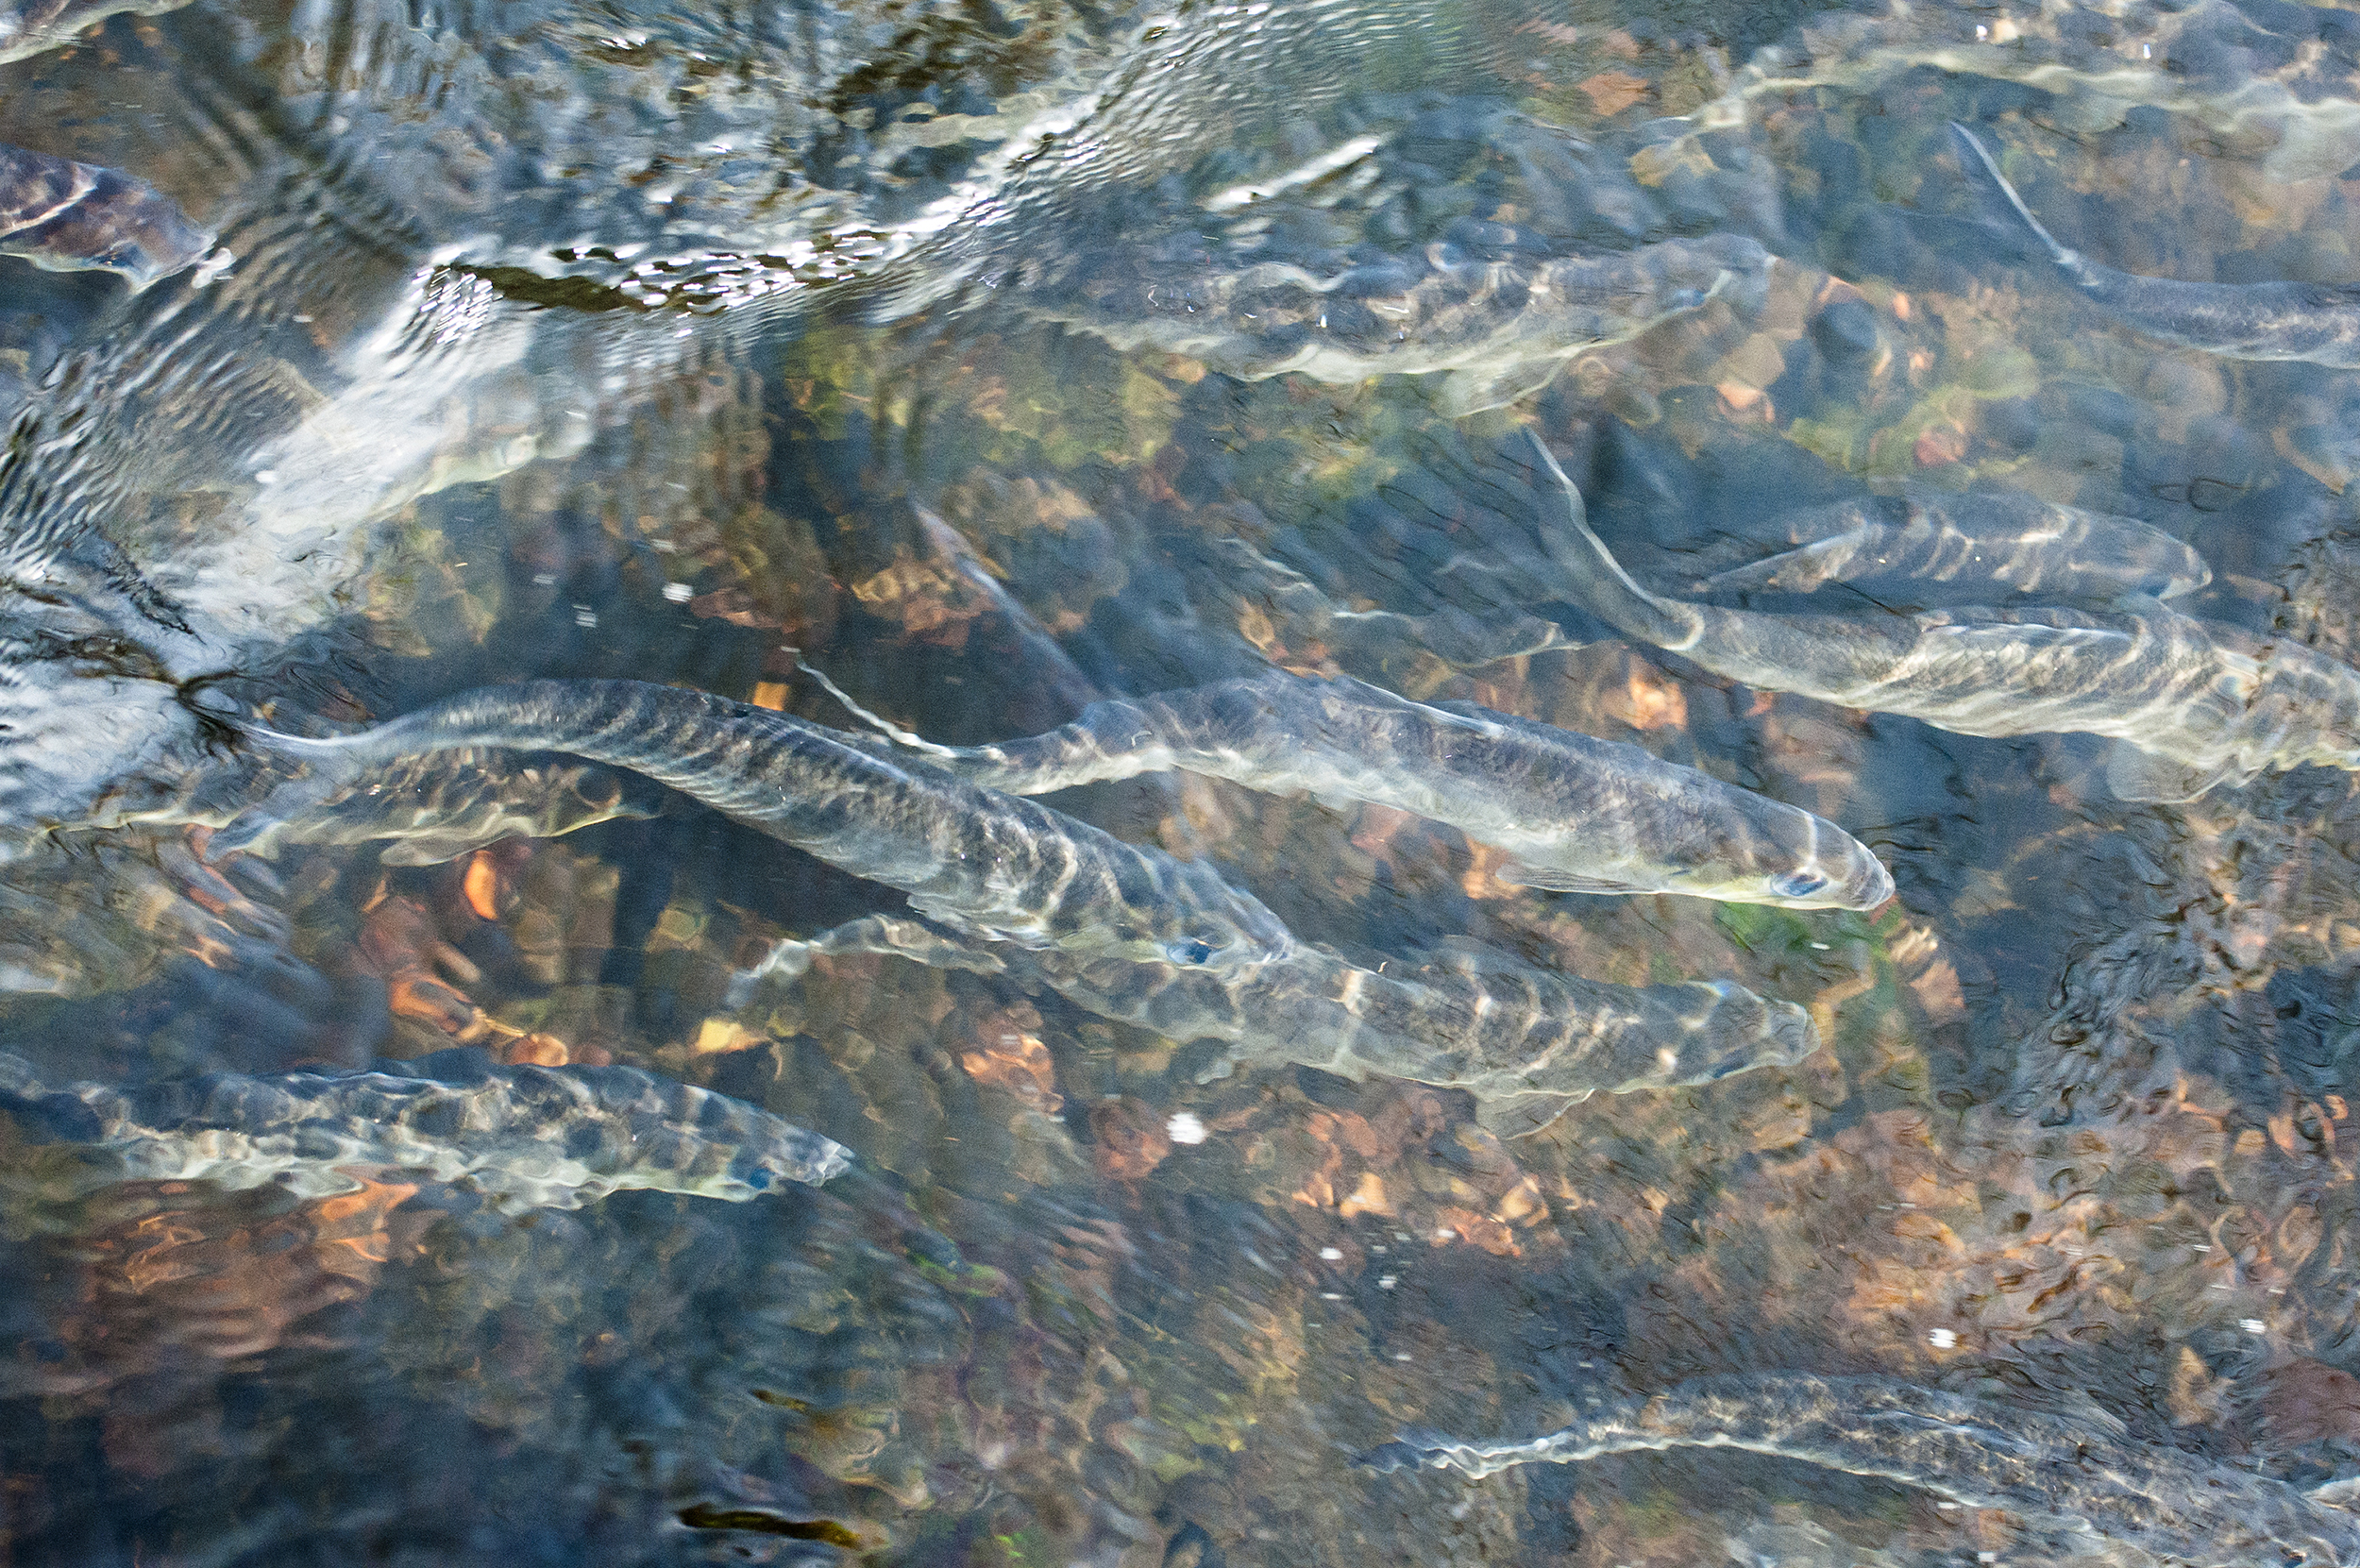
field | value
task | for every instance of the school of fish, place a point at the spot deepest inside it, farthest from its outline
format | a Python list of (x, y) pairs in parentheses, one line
[(1987, 614)]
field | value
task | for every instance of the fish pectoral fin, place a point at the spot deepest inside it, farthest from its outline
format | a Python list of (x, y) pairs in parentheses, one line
[(1517, 875), (1473, 390), (1522, 1115), (2134, 774)]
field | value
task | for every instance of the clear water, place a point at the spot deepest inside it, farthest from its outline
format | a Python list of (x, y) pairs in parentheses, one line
[(922, 346)]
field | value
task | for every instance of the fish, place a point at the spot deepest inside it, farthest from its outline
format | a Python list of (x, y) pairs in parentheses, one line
[(2314, 322), (2086, 1476), (1501, 331), (1124, 931), (1577, 814), (64, 217), (523, 1136), (27, 28), (1916, 544), (429, 810), (1527, 1044), (990, 865), (2190, 703)]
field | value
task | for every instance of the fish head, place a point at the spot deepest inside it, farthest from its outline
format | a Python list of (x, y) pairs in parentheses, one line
[(1786, 856), (1214, 926), (1720, 266), (1706, 1031)]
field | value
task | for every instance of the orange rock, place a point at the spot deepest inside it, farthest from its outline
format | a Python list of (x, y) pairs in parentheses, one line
[(422, 999), (1008, 1053), (1467, 1225), (1612, 92), (1367, 1198), (1742, 402), (1942, 444), (1127, 1138), (1657, 701), (2305, 1401), (536, 1051), (481, 886)]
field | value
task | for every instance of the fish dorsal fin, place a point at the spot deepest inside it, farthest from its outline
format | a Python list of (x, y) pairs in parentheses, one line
[(1473, 390), (1596, 582), (1982, 169), (2134, 774), (1522, 1115), (2342, 1492), (1516, 873)]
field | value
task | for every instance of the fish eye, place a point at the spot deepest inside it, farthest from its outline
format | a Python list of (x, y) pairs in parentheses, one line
[(1797, 885), (1193, 950)]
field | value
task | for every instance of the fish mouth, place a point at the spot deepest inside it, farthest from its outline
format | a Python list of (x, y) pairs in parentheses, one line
[(1825, 869), (1863, 887), (1763, 1032)]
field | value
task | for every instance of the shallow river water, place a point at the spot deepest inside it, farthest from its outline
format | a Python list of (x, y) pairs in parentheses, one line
[(488, 1141)]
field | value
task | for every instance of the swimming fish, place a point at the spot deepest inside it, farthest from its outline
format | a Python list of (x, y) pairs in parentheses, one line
[(2190, 703), (524, 1136), (1908, 545), (2080, 1475), (990, 865), (1120, 930), (29, 27), (1525, 1042), (64, 217), (1502, 329), (2319, 322), (1580, 813), (425, 809)]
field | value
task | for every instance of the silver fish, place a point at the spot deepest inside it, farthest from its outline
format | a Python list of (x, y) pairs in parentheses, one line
[(2319, 322), (991, 866), (2085, 1477), (1502, 331), (64, 217), (1579, 814), (29, 27), (1121, 930), (524, 1136), (433, 809), (2193, 703), (1922, 541), (1525, 1042)]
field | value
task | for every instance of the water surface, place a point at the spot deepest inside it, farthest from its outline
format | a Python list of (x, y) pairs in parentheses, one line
[(996, 358)]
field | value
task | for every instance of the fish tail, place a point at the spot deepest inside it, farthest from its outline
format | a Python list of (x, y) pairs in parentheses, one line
[(1983, 169), (1618, 1427), (331, 767), (1598, 583)]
